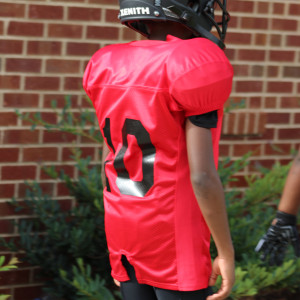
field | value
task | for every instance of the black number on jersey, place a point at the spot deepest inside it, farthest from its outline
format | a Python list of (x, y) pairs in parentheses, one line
[(124, 183)]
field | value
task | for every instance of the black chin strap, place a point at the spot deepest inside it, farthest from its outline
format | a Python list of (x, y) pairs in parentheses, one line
[(206, 34)]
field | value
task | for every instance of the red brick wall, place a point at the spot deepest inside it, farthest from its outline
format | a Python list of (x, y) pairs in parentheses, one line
[(44, 47)]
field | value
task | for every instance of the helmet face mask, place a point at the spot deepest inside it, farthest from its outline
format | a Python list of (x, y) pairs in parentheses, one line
[(197, 15)]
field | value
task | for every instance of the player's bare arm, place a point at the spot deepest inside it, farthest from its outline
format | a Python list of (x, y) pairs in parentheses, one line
[(210, 196), (290, 200)]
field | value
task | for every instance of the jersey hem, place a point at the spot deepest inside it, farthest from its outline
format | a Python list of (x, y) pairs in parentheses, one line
[(169, 286)]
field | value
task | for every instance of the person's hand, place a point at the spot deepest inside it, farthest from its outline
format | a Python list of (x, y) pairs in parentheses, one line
[(274, 243), (117, 283), (225, 268)]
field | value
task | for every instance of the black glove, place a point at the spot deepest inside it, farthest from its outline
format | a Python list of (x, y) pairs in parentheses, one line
[(274, 243)]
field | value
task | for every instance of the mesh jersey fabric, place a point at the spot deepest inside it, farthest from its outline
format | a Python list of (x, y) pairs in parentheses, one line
[(143, 92)]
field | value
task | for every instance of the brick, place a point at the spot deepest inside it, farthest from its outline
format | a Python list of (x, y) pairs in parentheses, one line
[(18, 100), (27, 293), (255, 102), (23, 65), (111, 15), (230, 53), (8, 118), (260, 39), (6, 291), (278, 118), (293, 40), (241, 70), (45, 12), (62, 66), (65, 31), (278, 8), (68, 1), (25, 29), (277, 149), (290, 102), (233, 22), (273, 71), (268, 134), (293, 72), (97, 32), (44, 47), (1, 27), (240, 6), (86, 49), (46, 187), (6, 227), (48, 117), (60, 100), (282, 55), (262, 120), (9, 82), (84, 14), (42, 83), (6, 191), (257, 71), (114, 2), (18, 172), (40, 154), (68, 170), (9, 154), (86, 151), (12, 10), (58, 137), (249, 86), (297, 118), (224, 150), (7, 209), (289, 133), (276, 39), (284, 24), (254, 23), (263, 7), (239, 182), (73, 83), (252, 55), (21, 137), (62, 190), (280, 87), (270, 102), (11, 46), (294, 9), (238, 38)]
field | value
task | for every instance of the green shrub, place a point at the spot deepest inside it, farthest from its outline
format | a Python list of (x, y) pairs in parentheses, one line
[(70, 248), (7, 267)]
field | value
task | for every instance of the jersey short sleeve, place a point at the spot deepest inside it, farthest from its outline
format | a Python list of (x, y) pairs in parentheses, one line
[(200, 78), (207, 120)]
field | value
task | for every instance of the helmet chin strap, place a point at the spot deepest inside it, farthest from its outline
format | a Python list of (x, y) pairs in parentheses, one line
[(206, 34)]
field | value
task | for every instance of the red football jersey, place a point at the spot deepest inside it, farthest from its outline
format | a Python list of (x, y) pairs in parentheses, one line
[(142, 93)]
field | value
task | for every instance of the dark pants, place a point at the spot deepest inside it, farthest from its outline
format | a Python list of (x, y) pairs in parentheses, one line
[(132, 290)]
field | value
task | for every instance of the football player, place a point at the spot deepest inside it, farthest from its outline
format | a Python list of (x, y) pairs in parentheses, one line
[(283, 231), (159, 104)]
